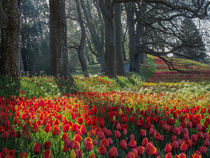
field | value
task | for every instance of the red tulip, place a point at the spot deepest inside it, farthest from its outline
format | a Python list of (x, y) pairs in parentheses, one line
[(132, 136), (183, 147), (67, 143), (168, 155), (77, 138), (78, 153), (182, 155), (88, 139), (117, 134), (110, 140), (64, 136), (80, 120), (150, 148), (132, 143), (46, 154), (83, 130), (11, 154), (104, 142), (206, 142), (195, 155), (203, 149), (113, 152), (194, 137), (175, 145), (145, 141), (47, 145), (199, 127), (123, 144), (102, 150), (95, 142), (130, 155), (88, 121), (92, 156), (185, 136), (125, 131), (189, 124), (200, 135), (168, 148), (37, 148), (101, 122), (118, 127), (66, 128), (47, 128), (177, 131), (88, 146), (108, 133), (101, 135), (75, 145), (134, 150), (23, 155), (139, 122), (152, 131), (141, 150), (123, 118), (173, 137), (143, 132)]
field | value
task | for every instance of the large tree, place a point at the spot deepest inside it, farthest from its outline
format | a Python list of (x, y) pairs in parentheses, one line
[(135, 33), (58, 39), (192, 43), (111, 17), (10, 37), (81, 45), (120, 70)]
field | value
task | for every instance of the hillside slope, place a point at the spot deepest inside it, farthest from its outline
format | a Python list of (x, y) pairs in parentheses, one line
[(196, 71)]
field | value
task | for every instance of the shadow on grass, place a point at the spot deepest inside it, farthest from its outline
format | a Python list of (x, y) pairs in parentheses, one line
[(66, 86), (9, 86)]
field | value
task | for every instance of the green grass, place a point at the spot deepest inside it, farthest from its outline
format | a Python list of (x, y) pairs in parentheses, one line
[(185, 64), (191, 63), (51, 87), (34, 87), (146, 70)]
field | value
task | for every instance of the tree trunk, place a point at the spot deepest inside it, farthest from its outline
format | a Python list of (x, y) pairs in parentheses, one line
[(102, 60), (110, 55), (135, 32), (134, 57), (82, 41), (10, 38), (58, 39), (118, 40), (83, 62)]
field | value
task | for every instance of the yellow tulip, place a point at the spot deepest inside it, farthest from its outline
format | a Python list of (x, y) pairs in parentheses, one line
[(120, 112), (72, 154), (114, 118)]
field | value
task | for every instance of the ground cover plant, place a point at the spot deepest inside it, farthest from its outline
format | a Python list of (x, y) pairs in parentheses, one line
[(102, 117)]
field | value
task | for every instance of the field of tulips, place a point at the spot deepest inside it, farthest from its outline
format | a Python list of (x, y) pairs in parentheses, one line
[(124, 118), (162, 73)]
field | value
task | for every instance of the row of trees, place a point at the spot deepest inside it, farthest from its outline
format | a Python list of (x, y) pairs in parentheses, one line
[(99, 28)]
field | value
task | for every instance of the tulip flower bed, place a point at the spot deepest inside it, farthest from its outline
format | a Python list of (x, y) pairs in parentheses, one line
[(200, 71), (106, 124)]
